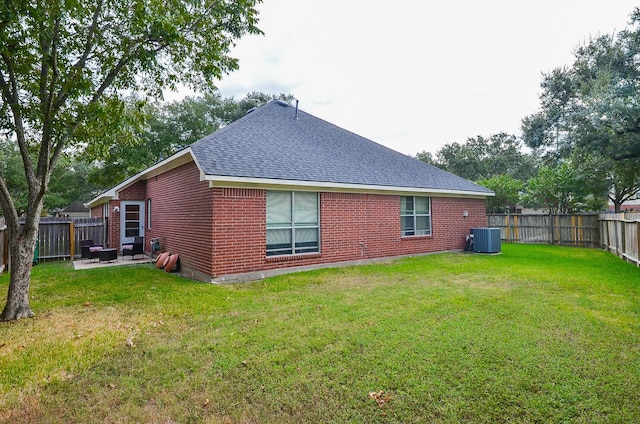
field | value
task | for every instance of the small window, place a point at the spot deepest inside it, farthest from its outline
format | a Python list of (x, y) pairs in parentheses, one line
[(149, 213), (292, 223), (415, 215)]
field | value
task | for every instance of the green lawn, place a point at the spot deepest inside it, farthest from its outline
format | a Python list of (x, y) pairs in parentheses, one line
[(536, 334)]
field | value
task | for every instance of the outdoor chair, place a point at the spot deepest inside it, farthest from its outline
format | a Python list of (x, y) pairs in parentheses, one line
[(89, 250), (136, 248)]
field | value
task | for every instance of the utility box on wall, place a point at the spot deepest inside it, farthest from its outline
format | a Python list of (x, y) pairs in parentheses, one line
[(486, 240)]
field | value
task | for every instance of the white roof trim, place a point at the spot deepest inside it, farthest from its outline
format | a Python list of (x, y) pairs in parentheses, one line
[(186, 155), (171, 162), (266, 183)]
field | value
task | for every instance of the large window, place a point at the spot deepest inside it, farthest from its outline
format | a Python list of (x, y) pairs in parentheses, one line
[(415, 214), (292, 223)]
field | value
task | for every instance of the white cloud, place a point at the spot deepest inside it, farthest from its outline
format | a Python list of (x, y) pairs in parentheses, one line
[(415, 75)]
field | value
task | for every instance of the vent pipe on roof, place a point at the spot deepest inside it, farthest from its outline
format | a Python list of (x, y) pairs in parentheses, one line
[(297, 109)]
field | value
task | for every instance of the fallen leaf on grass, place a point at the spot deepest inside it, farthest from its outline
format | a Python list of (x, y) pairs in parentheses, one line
[(380, 398)]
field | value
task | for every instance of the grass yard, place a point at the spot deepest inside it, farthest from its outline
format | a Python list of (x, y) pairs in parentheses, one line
[(536, 334)]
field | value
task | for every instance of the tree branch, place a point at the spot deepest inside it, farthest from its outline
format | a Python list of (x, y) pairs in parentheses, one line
[(10, 96), (8, 207), (80, 64)]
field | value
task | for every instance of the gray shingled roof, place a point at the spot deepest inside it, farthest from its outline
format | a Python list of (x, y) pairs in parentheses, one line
[(271, 143), (76, 206)]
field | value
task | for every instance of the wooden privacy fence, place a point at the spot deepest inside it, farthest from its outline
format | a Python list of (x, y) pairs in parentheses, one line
[(573, 230), (60, 237), (620, 235)]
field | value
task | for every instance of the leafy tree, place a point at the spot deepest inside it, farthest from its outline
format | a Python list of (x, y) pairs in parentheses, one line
[(561, 189), (483, 157), (595, 103), (426, 157), (65, 67), (12, 172), (590, 112), (69, 182), (624, 180), (507, 193)]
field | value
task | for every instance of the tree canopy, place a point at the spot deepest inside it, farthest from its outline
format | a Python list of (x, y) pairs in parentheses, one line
[(66, 68), (480, 157), (593, 104)]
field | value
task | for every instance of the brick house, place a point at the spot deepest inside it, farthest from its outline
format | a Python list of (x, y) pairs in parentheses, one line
[(281, 190)]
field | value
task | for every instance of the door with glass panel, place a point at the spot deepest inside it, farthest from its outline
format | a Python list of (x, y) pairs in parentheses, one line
[(131, 221)]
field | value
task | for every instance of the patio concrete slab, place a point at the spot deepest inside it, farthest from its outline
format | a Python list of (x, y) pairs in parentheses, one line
[(86, 264)]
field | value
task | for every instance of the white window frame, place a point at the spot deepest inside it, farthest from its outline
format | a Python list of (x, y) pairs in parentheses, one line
[(149, 213), (414, 216), (293, 248)]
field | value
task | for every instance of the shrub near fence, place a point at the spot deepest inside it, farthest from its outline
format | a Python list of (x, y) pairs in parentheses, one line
[(574, 230)]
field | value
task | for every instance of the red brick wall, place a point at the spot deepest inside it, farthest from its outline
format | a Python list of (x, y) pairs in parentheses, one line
[(222, 231), (96, 212), (181, 216), (135, 192), (239, 231), (353, 227)]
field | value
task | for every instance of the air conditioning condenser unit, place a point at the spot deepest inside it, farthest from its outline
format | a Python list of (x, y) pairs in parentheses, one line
[(486, 240)]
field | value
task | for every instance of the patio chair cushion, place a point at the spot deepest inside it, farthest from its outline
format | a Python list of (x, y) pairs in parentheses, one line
[(127, 247), (94, 249)]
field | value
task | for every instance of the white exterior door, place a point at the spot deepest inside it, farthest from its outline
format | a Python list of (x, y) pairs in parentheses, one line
[(131, 221)]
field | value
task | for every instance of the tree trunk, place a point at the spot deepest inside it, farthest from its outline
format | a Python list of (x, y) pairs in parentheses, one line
[(617, 206), (21, 247)]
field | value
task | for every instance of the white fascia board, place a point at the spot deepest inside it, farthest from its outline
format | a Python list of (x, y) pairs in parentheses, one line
[(173, 161), (276, 184)]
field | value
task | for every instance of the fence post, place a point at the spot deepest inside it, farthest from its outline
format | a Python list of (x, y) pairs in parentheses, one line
[(580, 230), (637, 243), (72, 239), (623, 235), (508, 227)]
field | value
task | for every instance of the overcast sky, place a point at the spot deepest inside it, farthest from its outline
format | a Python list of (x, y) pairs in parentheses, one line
[(415, 75)]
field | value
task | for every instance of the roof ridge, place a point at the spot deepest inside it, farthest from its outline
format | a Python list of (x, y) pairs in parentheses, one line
[(257, 110), (270, 143)]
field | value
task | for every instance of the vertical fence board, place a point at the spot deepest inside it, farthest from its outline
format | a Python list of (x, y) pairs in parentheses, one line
[(574, 230), (617, 233), (59, 238), (620, 233)]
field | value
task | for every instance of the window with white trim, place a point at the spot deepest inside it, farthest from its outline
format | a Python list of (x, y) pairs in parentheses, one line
[(293, 223), (415, 215), (149, 213)]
